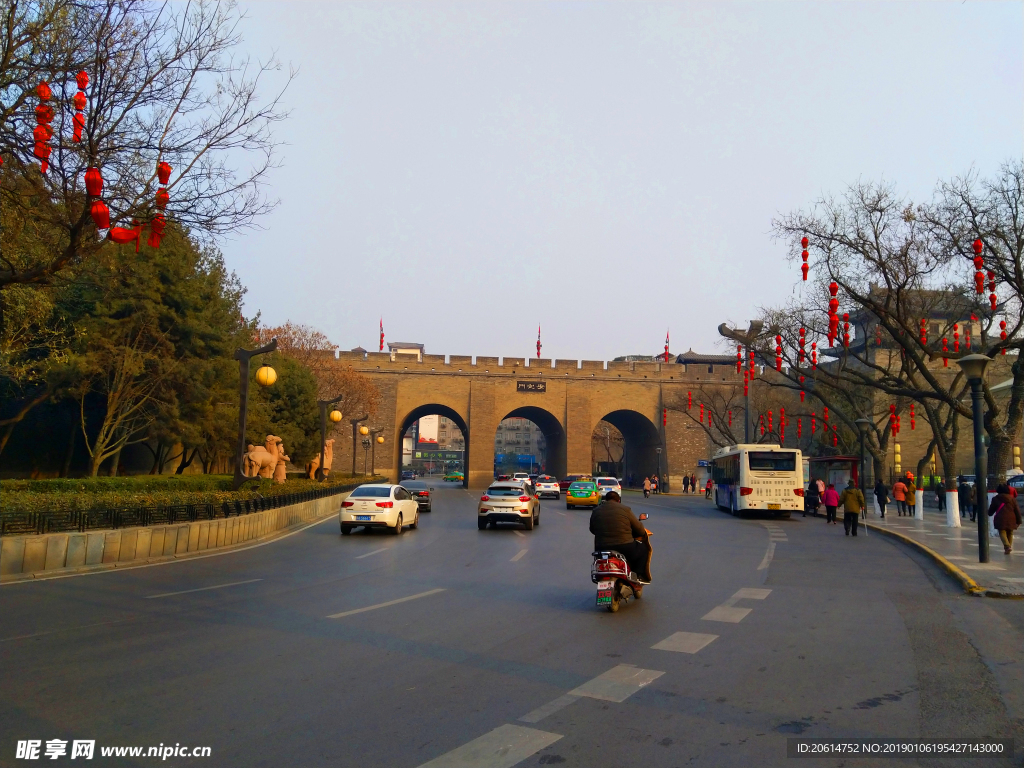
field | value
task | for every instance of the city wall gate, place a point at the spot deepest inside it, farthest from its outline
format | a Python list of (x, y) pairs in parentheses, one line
[(565, 400)]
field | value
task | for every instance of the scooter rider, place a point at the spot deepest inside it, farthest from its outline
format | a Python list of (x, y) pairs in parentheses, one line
[(616, 527)]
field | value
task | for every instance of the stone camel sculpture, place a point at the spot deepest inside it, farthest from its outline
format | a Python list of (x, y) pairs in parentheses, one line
[(261, 460), (312, 466)]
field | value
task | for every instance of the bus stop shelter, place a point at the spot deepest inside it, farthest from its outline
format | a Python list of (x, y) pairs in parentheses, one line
[(835, 469)]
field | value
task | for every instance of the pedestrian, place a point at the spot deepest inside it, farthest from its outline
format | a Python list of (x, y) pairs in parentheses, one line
[(899, 493), (831, 499), (853, 503), (1005, 516), (821, 487), (686, 484), (654, 483), (911, 496), (881, 494), (965, 498), (647, 487), (693, 483), (707, 489), (940, 495), (812, 499)]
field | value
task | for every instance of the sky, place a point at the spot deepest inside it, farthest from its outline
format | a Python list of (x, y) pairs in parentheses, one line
[(608, 171)]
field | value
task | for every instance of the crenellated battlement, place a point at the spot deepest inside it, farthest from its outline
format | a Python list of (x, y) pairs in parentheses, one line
[(520, 366)]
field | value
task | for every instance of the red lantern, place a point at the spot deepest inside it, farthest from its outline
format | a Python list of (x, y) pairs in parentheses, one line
[(42, 151), (78, 102), (162, 199), (799, 428), (814, 355), (156, 227), (824, 414), (804, 268), (769, 421), (163, 172), (689, 400), (992, 301), (762, 425), (979, 282), (79, 123), (94, 182), (43, 133), (978, 246), (100, 214), (945, 349), (835, 437), (814, 423), (956, 337), (44, 114), (664, 417), (730, 417), (43, 89), (121, 236), (912, 422), (702, 413), (746, 382)]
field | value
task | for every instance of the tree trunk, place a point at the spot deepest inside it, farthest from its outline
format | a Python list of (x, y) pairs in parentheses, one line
[(999, 451), (6, 436), (66, 469), (115, 459), (95, 461), (186, 460)]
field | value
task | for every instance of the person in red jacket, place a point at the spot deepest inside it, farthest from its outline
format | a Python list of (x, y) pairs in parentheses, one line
[(831, 500), (1005, 516)]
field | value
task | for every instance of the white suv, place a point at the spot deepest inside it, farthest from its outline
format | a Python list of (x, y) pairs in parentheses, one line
[(548, 486), (606, 485)]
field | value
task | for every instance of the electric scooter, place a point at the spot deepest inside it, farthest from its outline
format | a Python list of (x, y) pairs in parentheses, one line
[(616, 584)]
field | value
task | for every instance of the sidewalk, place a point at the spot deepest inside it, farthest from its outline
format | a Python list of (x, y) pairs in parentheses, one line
[(1003, 574)]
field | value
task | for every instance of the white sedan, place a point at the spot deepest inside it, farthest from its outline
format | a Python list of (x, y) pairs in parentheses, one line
[(379, 506)]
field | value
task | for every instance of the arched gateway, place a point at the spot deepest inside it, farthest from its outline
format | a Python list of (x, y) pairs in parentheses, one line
[(565, 399)]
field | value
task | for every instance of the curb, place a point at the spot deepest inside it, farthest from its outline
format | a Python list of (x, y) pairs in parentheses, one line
[(83, 570), (970, 586)]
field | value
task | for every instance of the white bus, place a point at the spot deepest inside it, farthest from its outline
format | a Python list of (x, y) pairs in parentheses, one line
[(758, 477)]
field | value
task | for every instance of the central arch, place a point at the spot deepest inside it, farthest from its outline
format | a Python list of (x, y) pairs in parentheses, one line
[(431, 409), (554, 435), (641, 441)]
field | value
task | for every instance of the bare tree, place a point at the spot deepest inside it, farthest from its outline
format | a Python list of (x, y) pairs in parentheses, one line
[(165, 86)]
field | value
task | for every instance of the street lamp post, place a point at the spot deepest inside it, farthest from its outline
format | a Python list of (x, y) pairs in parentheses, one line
[(355, 426), (746, 338), (974, 367), (863, 425), (335, 417), (366, 447), (375, 438), (243, 356), (660, 479)]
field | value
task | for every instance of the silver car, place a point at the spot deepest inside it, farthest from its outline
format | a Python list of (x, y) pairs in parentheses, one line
[(548, 486), (508, 502), (606, 485)]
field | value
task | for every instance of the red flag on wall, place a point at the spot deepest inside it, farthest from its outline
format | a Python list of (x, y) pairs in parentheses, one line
[(666, 346), (538, 342), (382, 334)]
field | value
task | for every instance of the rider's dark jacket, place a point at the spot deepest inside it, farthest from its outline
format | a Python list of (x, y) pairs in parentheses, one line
[(614, 523)]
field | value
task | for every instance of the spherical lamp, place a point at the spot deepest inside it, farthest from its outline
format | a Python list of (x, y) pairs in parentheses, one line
[(335, 416), (265, 375), (364, 431), (380, 439)]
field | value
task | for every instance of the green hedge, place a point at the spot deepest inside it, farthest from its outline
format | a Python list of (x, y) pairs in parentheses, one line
[(66, 495)]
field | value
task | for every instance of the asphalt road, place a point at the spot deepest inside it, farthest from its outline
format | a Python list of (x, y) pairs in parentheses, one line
[(834, 637)]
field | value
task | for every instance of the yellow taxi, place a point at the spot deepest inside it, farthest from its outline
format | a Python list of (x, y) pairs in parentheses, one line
[(582, 493)]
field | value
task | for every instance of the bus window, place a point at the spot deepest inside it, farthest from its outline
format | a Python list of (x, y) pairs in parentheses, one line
[(772, 461)]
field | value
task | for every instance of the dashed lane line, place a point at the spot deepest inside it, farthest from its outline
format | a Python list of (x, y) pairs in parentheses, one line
[(685, 642), (728, 612), (202, 589), (384, 605), (521, 553), (503, 747), (767, 556), (375, 552), (518, 533), (617, 684), (549, 709)]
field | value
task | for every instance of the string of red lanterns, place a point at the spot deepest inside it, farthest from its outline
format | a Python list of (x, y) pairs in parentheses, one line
[(1002, 334), (666, 346), (739, 358), (814, 423), (979, 264), (814, 355), (778, 353), (801, 387), (945, 350), (803, 254), (924, 332), (913, 423), (833, 316), (538, 342), (79, 102), (956, 337), (43, 132), (799, 428), (382, 334), (730, 417), (846, 329)]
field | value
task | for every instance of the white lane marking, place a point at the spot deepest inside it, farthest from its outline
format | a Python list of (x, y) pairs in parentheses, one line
[(375, 552), (618, 683), (64, 629), (203, 589), (549, 709), (726, 613), (685, 642), (521, 553), (1012, 580), (518, 533), (384, 605), (750, 593), (503, 747), (557, 512), (767, 556)]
